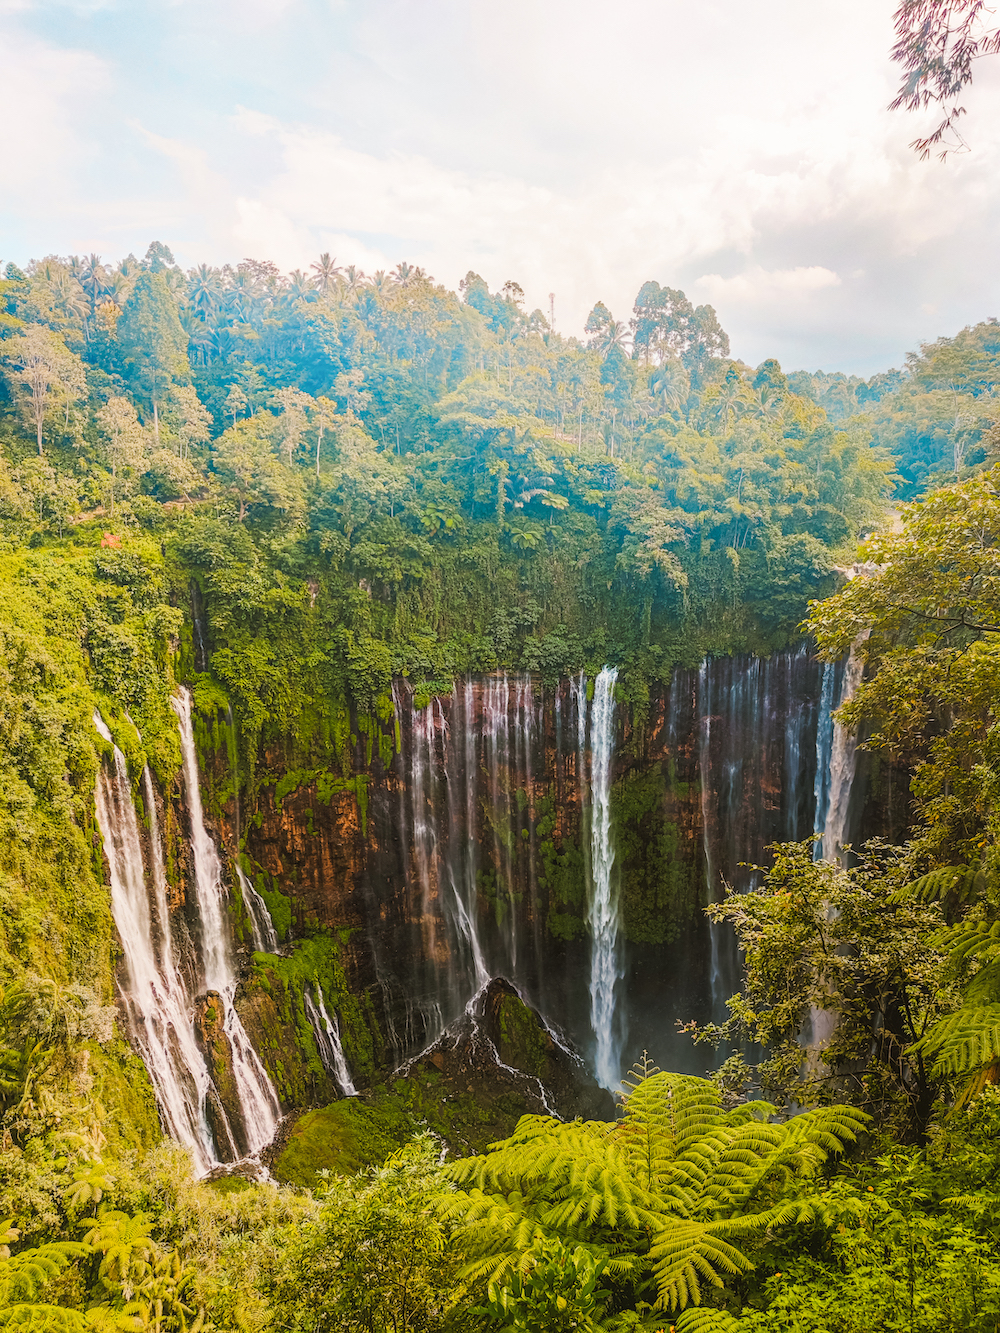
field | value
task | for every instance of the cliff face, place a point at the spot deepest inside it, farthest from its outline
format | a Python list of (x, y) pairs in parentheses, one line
[(450, 842)]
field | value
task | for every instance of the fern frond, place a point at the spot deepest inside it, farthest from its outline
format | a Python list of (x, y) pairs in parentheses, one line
[(976, 937), (750, 1111), (698, 1319), (683, 1255), (976, 1203), (42, 1319), (678, 1109), (491, 1267), (963, 884), (23, 1275), (963, 1042)]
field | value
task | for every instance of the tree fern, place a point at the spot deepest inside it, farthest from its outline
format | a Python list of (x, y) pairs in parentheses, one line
[(670, 1192), (23, 1278), (959, 884), (699, 1320), (965, 1041), (28, 1318)]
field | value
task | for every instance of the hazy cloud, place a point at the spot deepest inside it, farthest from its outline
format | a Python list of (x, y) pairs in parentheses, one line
[(743, 154)]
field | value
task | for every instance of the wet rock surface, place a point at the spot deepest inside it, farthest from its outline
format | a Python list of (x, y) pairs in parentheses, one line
[(501, 1054)]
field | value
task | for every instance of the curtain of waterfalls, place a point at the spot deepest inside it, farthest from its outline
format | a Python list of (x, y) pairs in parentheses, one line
[(498, 821), (159, 1009), (258, 1101), (761, 768), (843, 766)]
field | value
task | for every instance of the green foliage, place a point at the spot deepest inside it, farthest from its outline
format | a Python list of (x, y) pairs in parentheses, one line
[(376, 1257), (819, 940), (342, 1138), (276, 1014), (671, 1191), (908, 1241), (556, 1288)]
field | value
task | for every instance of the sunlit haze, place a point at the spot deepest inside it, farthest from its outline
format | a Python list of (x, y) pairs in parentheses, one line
[(740, 152)]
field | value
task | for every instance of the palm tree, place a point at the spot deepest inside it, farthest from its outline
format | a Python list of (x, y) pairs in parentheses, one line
[(327, 273), (204, 289), (67, 294), (354, 280), (118, 287), (731, 399), (408, 275), (300, 285), (92, 279), (614, 334), (669, 381)]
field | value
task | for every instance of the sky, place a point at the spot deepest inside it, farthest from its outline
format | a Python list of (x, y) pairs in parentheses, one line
[(742, 153)]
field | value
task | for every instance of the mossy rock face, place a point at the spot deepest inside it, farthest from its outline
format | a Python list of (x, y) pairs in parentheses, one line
[(131, 1119), (343, 1138), (519, 1037), (494, 1065)]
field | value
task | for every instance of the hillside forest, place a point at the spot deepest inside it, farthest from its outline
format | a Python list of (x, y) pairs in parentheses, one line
[(286, 492)]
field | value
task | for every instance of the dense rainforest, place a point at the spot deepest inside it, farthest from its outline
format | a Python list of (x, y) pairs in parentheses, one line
[(358, 635)]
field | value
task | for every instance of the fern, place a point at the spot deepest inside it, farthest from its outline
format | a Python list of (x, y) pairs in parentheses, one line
[(699, 1320), (965, 1041), (43, 1319), (668, 1190), (960, 884), (22, 1276)]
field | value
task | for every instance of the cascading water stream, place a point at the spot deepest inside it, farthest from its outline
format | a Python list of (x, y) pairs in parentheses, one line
[(605, 957), (328, 1043), (265, 937), (160, 1012), (824, 751), (258, 1102), (843, 766), (713, 883), (461, 868)]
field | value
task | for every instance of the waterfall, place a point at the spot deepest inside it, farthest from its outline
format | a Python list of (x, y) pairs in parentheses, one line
[(327, 1033), (258, 1102), (605, 958), (836, 758), (843, 764), (716, 931), (159, 876), (498, 765), (265, 937), (824, 751), (461, 868), (158, 1006)]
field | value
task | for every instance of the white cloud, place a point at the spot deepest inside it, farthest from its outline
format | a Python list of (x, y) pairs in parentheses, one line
[(45, 146), (757, 285), (742, 154)]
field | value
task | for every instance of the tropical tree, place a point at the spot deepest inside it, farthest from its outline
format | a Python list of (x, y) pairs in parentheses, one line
[(326, 272), (378, 1256), (937, 42), (292, 422), (124, 439), (153, 342), (324, 416), (43, 369), (195, 422), (243, 460)]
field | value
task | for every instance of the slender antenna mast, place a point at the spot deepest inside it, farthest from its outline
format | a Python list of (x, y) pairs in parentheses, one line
[(552, 311)]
